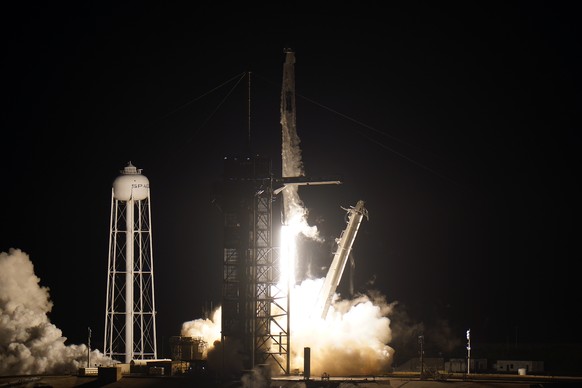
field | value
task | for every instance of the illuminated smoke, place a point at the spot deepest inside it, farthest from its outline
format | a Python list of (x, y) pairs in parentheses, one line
[(29, 343), (208, 329), (219, 356), (354, 336)]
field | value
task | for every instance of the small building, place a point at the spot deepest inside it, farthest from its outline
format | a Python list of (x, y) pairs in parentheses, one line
[(156, 367), (513, 366), (459, 365), (188, 348), (88, 371), (416, 364)]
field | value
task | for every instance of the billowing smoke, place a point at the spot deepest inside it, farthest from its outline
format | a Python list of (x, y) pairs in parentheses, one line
[(219, 356), (29, 343), (354, 336), (207, 329)]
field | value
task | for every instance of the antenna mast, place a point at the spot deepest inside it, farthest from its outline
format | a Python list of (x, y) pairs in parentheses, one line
[(249, 111)]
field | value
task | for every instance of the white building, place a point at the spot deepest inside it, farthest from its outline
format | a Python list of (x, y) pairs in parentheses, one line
[(516, 365), (459, 365)]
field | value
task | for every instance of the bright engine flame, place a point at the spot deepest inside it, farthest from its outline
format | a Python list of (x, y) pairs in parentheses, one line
[(353, 338), (288, 256)]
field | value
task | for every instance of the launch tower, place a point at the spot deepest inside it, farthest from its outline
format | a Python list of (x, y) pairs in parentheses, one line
[(256, 293), (254, 308), (130, 314)]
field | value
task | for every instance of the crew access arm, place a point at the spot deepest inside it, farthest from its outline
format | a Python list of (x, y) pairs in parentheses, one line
[(344, 247)]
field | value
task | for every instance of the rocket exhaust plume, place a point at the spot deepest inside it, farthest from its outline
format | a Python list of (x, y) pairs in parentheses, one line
[(353, 337), (29, 342)]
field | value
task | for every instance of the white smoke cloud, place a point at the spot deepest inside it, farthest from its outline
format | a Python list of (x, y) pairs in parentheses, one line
[(208, 329), (354, 336), (29, 342), (352, 340)]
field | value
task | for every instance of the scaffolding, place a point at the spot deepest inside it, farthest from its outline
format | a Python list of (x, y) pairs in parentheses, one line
[(254, 306)]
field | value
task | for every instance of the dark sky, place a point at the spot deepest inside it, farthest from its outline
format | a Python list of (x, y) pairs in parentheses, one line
[(455, 121)]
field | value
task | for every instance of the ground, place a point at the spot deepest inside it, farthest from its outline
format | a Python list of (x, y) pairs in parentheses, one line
[(461, 381)]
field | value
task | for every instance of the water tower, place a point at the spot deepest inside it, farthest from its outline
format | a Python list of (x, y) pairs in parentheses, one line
[(130, 314)]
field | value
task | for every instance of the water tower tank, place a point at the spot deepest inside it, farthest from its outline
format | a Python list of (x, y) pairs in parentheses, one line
[(131, 184)]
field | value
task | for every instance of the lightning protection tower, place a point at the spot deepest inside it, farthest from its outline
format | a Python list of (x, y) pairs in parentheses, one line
[(130, 314)]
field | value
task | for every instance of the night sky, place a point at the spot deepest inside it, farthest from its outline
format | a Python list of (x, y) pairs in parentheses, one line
[(454, 121)]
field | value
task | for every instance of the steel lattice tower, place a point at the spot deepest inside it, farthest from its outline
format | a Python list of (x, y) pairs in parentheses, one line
[(254, 308), (130, 314)]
